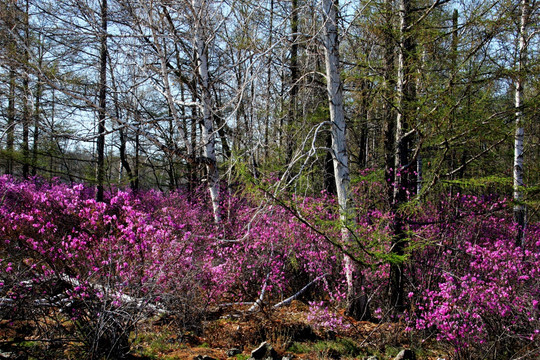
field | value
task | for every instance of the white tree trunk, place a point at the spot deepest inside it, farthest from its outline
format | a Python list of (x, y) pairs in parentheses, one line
[(519, 208), (400, 105), (209, 140), (339, 149), (335, 97)]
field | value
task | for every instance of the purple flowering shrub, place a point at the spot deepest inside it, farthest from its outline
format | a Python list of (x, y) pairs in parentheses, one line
[(99, 268), (100, 264), (146, 252), (475, 289)]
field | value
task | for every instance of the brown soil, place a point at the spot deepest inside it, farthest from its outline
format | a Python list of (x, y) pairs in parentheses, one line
[(237, 328), (286, 329)]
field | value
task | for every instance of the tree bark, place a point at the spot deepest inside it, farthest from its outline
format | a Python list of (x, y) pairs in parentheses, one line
[(102, 103), (519, 207)]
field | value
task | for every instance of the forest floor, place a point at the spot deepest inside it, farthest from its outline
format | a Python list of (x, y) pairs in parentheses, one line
[(288, 331)]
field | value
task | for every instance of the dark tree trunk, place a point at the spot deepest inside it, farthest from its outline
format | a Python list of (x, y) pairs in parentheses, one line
[(26, 98), (404, 178), (10, 141), (136, 181), (329, 177), (124, 160), (102, 103)]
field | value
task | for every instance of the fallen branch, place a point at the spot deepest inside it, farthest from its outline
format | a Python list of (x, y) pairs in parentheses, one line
[(61, 300), (259, 301), (139, 303), (300, 292)]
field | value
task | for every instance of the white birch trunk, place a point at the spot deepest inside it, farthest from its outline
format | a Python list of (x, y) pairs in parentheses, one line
[(519, 207), (337, 118), (208, 123)]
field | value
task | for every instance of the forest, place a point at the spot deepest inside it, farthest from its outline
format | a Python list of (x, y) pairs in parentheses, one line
[(340, 179)]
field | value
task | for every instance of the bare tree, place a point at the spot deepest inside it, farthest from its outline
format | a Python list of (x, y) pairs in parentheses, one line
[(102, 102), (519, 207), (356, 304)]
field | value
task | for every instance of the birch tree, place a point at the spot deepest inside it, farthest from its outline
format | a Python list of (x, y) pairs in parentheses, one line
[(519, 207), (201, 13), (356, 305)]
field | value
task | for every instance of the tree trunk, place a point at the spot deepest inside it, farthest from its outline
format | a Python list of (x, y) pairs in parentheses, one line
[(269, 81), (519, 207), (293, 106), (102, 103), (363, 143), (171, 171), (124, 160), (137, 167), (25, 132), (10, 141), (37, 112), (10, 130), (123, 142), (339, 151), (403, 173), (26, 97), (363, 146), (453, 158), (389, 120), (222, 128), (51, 132), (208, 119), (329, 178)]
